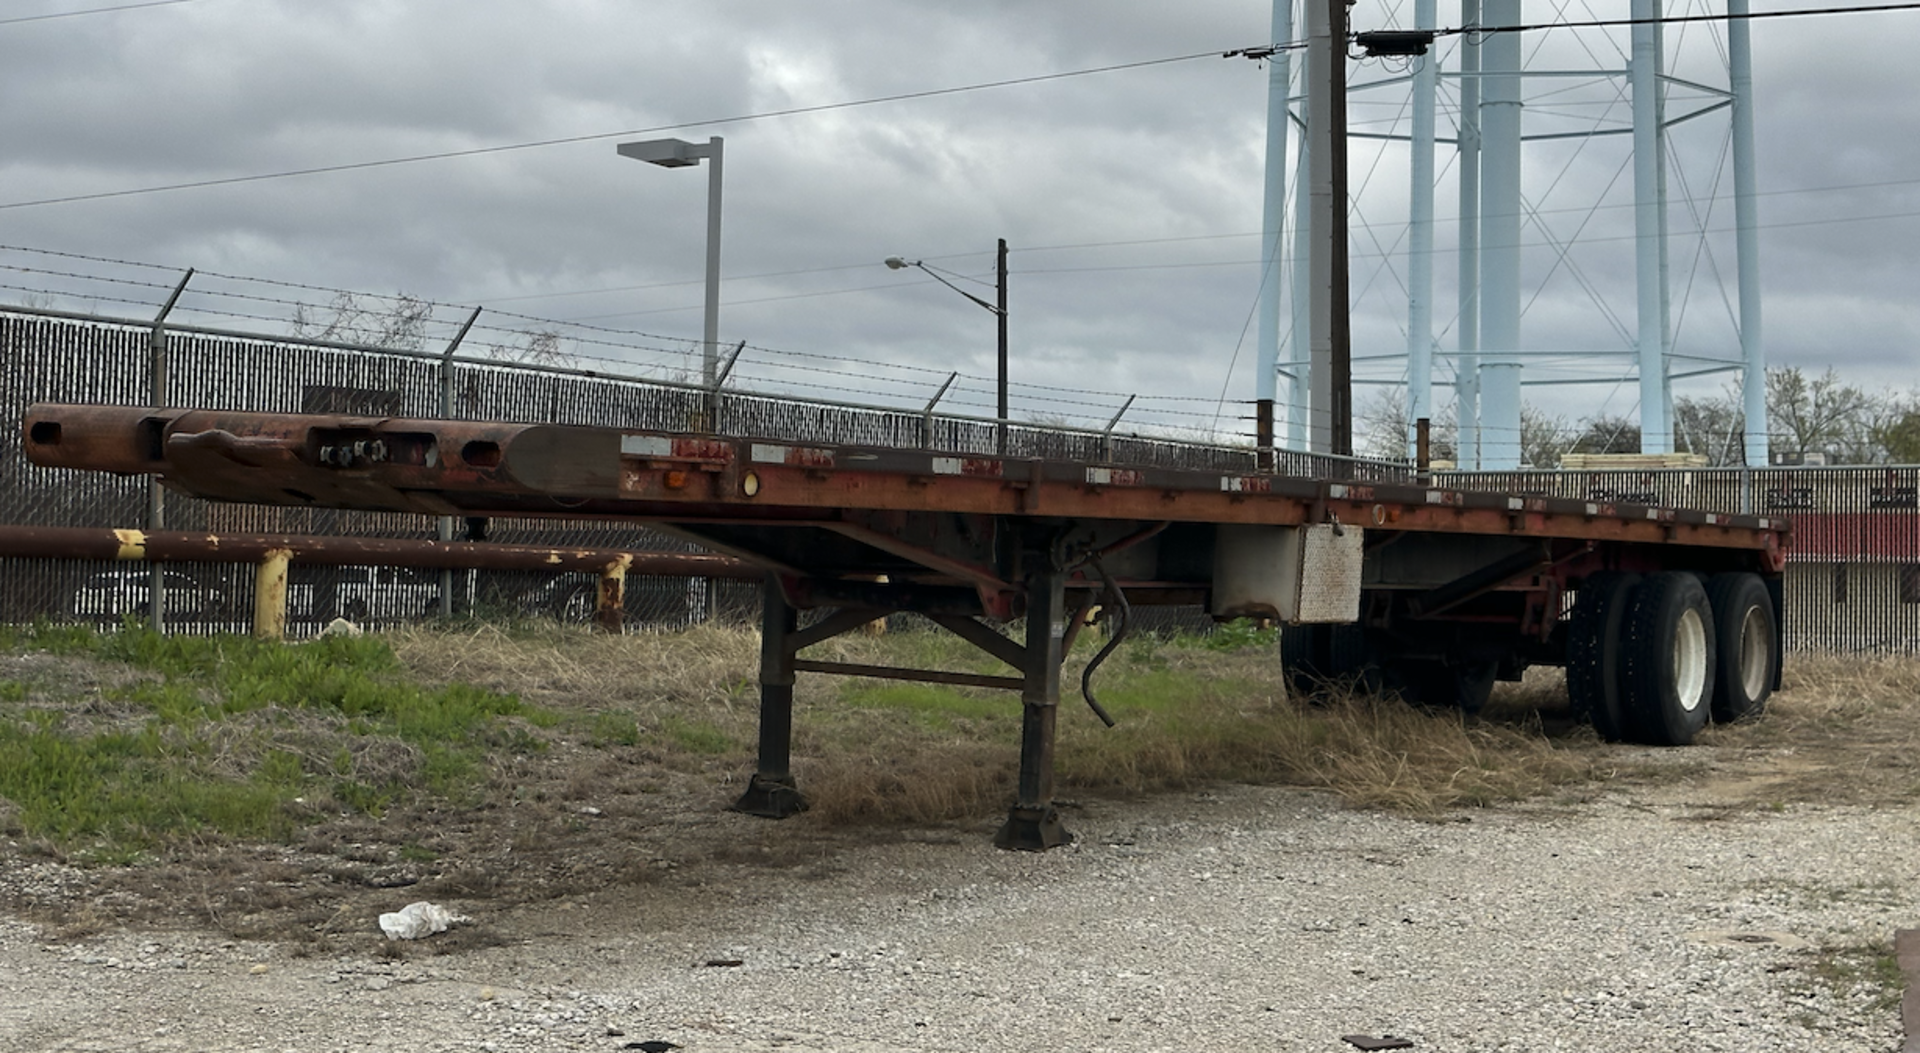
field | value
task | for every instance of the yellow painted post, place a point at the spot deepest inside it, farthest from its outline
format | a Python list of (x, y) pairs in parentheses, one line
[(609, 612), (270, 596), (878, 626)]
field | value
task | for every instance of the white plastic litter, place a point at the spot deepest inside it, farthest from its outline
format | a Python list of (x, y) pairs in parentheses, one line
[(415, 920)]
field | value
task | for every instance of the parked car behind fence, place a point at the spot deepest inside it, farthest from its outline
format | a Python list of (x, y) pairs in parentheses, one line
[(112, 595)]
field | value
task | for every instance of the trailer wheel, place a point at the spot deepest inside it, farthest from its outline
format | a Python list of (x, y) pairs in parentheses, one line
[(1314, 656), (1749, 643), (1442, 685), (1593, 652), (1669, 655)]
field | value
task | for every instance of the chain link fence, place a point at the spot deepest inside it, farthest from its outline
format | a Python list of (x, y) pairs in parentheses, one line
[(58, 357), (1853, 571), (1853, 582)]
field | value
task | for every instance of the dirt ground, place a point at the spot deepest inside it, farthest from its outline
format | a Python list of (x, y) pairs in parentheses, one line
[(588, 848), (581, 820)]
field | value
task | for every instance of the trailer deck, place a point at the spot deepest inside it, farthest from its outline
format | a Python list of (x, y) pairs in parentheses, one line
[(1428, 591)]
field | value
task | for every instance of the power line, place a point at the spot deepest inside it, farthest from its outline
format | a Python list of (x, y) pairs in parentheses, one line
[(478, 151), (90, 11)]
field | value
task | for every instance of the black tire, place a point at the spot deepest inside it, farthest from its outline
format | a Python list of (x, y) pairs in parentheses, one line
[(1464, 686), (1593, 652), (1668, 652), (1314, 657), (1297, 663), (576, 605), (1749, 641)]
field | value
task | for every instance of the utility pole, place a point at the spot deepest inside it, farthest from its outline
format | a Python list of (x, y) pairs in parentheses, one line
[(1000, 284), (1330, 354)]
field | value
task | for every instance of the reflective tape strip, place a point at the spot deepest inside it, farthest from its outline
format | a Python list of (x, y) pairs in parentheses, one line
[(646, 446)]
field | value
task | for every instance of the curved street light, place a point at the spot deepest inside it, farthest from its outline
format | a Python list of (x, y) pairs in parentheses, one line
[(678, 153), (999, 310)]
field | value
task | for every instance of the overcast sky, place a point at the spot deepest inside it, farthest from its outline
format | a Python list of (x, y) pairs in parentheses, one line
[(1131, 198)]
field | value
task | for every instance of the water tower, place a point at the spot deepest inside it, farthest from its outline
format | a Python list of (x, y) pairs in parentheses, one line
[(1587, 161)]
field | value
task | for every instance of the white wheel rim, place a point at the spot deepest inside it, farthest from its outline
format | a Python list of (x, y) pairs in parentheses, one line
[(1690, 660), (1755, 650)]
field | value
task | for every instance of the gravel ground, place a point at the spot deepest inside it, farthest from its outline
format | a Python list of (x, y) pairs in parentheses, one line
[(1240, 919)]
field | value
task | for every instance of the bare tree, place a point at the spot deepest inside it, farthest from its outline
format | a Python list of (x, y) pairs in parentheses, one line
[(1898, 430), (1715, 426), (1822, 415), (1383, 428), (1607, 433), (1543, 438)]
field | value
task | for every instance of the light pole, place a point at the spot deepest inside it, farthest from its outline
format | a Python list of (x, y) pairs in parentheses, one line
[(678, 153), (999, 310)]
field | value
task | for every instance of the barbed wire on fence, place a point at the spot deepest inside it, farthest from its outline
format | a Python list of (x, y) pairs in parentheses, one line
[(275, 309)]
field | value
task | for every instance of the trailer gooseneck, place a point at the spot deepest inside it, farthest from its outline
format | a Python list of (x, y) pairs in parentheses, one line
[(1661, 616)]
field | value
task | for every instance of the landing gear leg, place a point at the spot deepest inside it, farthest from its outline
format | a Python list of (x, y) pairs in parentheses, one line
[(1033, 825), (772, 792)]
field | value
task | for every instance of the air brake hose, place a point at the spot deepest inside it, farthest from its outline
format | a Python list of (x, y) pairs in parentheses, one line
[(1111, 595)]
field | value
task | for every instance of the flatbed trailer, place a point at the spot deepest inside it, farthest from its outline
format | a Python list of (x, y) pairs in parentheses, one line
[(1662, 616)]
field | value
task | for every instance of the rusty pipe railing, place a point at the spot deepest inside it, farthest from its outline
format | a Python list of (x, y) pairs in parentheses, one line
[(274, 552)]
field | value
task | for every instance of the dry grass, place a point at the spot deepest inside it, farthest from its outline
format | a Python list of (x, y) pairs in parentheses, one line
[(551, 662), (639, 741), (1843, 729), (869, 752)]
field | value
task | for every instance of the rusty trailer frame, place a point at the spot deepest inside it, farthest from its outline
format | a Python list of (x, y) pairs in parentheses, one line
[(1460, 582)]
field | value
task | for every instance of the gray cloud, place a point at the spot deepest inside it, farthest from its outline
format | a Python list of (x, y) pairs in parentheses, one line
[(1155, 155)]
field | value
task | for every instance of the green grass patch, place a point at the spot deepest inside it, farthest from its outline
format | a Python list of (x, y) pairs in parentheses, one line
[(123, 791), (699, 736), (1239, 634), (935, 706), (46, 636), (611, 728), (217, 737)]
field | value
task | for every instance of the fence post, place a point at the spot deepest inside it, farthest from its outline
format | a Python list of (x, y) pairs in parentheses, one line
[(156, 497), (1423, 450), (270, 596), (446, 413), (712, 411), (1106, 437), (926, 415), (1263, 435)]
